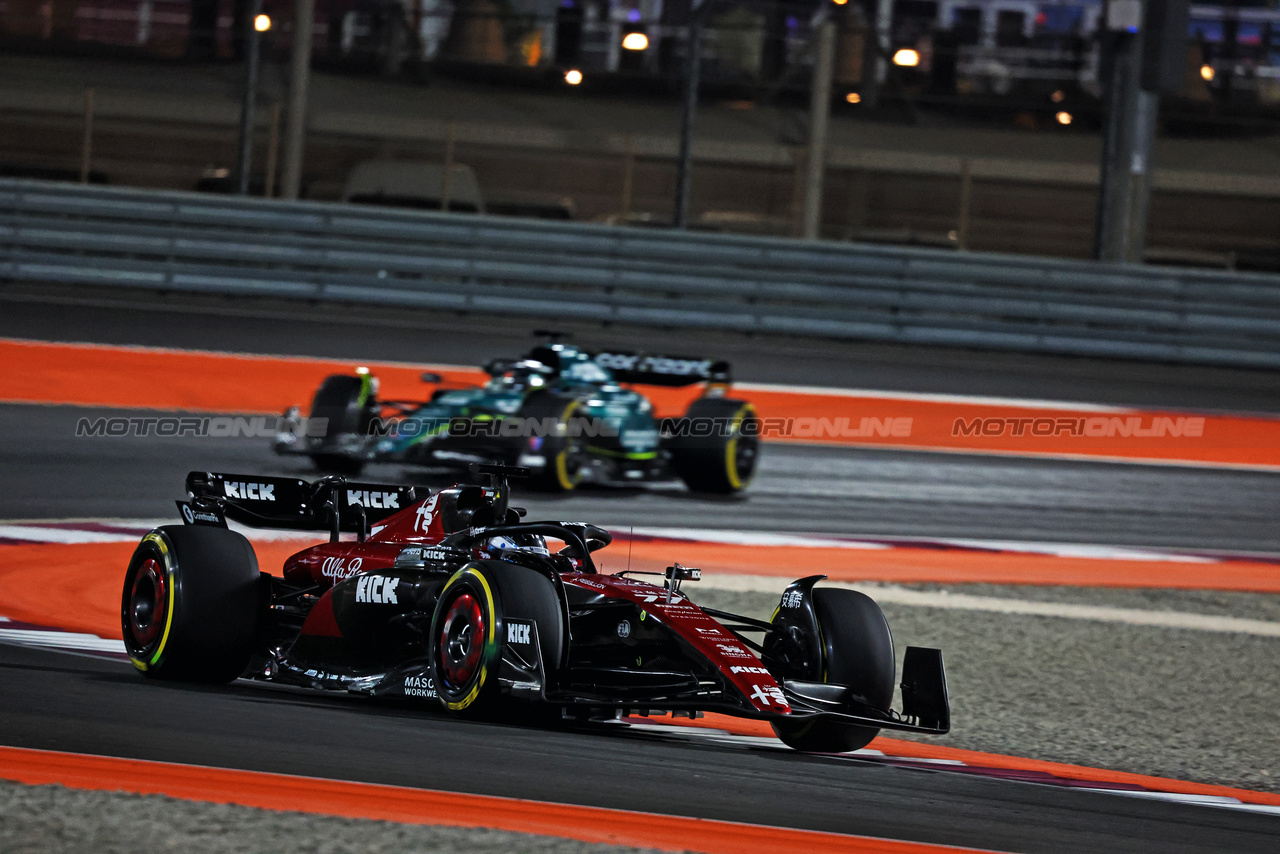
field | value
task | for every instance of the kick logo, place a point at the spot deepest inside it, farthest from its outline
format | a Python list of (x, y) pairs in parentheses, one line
[(377, 590), (250, 491), (739, 669), (373, 499), (518, 633)]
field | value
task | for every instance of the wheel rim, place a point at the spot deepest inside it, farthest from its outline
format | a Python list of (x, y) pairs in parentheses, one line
[(745, 451), (461, 641), (148, 603)]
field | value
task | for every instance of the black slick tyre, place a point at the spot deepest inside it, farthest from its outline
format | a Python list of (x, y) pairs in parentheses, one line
[(558, 441), (192, 604), (349, 405), (719, 452), (472, 626), (857, 650)]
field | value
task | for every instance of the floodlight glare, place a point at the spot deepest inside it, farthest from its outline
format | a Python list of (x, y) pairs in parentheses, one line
[(1207, 73), (262, 23), (1064, 118), (907, 58), (635, 41), (853, 98), (573, 77)]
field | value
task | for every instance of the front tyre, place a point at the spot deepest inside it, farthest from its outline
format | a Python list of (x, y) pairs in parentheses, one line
[(857, 650), (719, 452), (191, 605), (469, 632), (557, 441)]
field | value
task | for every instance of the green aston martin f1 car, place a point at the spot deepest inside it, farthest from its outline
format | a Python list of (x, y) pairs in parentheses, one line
[(565, 413)]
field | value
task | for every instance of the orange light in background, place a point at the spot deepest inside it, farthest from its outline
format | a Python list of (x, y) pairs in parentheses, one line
[(906, 57), (573, 77), (1064, 118), (853, 98), (1207, 73), (262, 23), (839, 2), (635, 41), (1058, 96)]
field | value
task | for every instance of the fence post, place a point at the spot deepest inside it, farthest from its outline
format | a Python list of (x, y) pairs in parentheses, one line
[(304, 13), (86, 146), (819, 111), (446, 180), (966, 199), (273, 152), (628, 175)]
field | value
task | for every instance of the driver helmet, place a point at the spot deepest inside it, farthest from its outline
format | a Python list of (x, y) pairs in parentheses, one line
[(532, 543), (521, 376)]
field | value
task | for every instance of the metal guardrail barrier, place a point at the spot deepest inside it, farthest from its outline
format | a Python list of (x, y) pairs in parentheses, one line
[(318, 251)]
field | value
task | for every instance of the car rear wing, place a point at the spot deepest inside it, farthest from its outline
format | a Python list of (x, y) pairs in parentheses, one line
[(656, 369), (331, 503)]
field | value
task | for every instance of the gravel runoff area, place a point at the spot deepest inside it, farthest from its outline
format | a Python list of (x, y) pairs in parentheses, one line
[(1192, 705), (45, 819)]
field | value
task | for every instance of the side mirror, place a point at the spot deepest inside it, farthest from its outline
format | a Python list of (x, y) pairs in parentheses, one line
[(431, 378)]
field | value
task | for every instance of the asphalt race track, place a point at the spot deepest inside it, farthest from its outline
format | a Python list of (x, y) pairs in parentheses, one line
[(79, 704), (74, 703), (799, 488)]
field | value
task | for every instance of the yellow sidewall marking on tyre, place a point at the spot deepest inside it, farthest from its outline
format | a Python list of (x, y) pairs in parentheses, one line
[(562, 458), (731, 448), (159, 542), (489, 640)]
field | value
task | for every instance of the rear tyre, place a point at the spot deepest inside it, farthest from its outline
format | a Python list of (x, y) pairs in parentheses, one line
[(349, 405), (192, 604), (857, 650), (469, 632), (562, 448), (725, 461)]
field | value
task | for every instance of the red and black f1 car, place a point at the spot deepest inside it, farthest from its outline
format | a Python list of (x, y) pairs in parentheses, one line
[(449, 597)]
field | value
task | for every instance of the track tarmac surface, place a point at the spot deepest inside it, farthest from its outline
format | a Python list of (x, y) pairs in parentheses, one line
[(798, 488), (85, 705), (72, 703)]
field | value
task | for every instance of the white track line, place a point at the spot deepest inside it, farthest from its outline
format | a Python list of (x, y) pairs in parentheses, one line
[(753, 538), (818, 541), (61, 640), (892, 594), (896, 595), (931, 397), (41, 534)]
